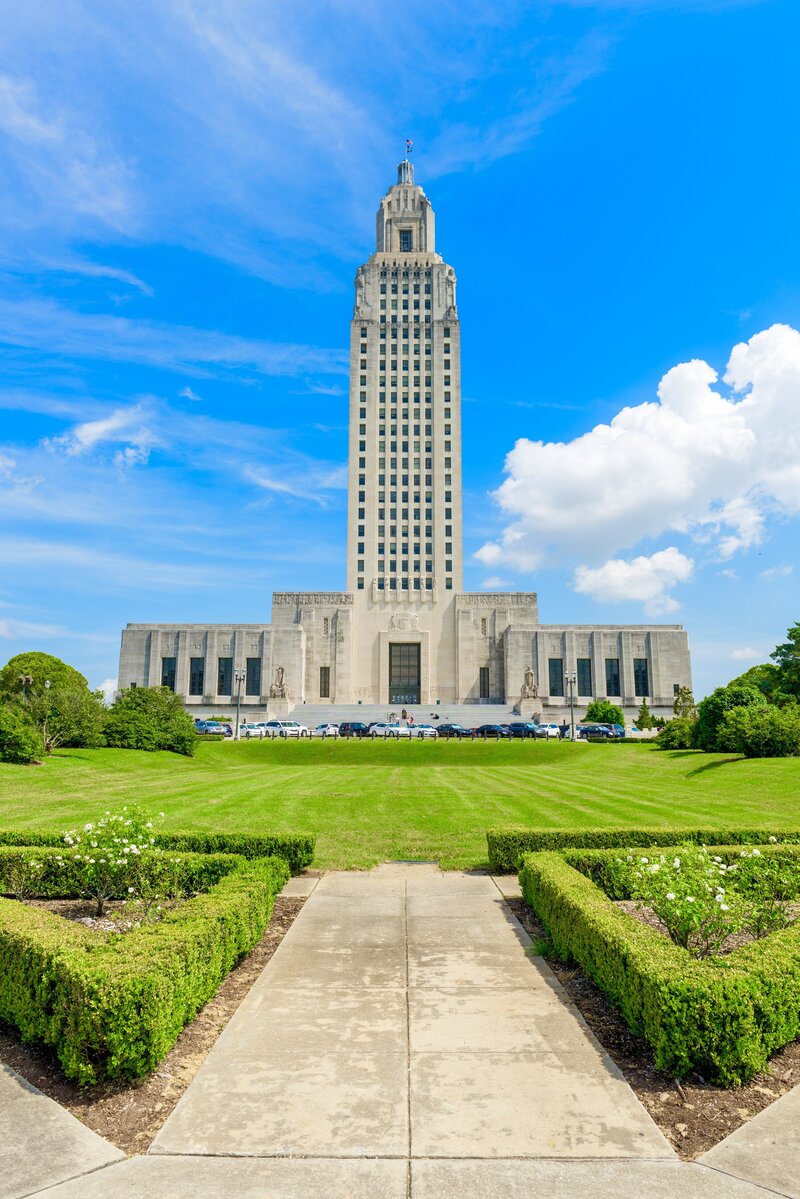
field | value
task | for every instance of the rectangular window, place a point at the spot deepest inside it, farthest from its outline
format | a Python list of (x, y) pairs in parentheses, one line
[(252, 684), (640, 677), (612, 676), (197, 675), (584, 676), (168, 666), (324, 682), (556, 676), (483, 682), (224, 676), (405, 241)]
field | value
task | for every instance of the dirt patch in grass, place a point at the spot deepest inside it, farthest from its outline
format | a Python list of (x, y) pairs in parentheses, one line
[(693, 1115), (130, 1114)]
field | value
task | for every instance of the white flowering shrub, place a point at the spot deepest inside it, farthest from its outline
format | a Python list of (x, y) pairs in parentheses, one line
[(109, 854), (692, 893), (770, 886)]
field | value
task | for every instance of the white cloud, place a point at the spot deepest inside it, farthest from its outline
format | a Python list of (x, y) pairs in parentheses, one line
[(188, 394), (746, 654), (697, 461), (108, 687), (302, 481), (646, 579), (121, 425), (494, 582), (777, 572)]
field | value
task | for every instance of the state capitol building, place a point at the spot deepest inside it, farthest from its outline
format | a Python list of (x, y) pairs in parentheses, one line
[(404, 632)]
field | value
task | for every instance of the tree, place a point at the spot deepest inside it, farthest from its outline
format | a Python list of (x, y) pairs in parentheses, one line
[(150, 718), (787, 659), (766, 679), (602, 711), (644, 720), (761, 732), (68, 715), (40, 669), (19, 740), (712, 709), (684, 705)]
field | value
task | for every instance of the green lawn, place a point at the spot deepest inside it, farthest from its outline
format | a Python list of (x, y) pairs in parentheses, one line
[(368, 802)]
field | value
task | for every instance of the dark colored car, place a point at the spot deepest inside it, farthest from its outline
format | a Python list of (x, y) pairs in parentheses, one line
[(453, 730), (601, 732), (353, 728), (490, 730), (522, 728)]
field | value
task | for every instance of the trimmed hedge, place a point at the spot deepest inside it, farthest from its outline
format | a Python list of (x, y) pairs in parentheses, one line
[(507, 846), (721, 1017), (598, 864), (61, 879), (296, 849), (112, 1006)]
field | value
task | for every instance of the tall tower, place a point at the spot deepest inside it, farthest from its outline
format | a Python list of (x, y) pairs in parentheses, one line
[(404, 542)]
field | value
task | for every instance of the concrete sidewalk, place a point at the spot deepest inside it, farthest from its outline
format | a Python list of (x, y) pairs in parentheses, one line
[(401, 1042)]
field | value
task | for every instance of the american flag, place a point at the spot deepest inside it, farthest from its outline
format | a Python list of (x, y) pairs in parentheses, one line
[(409, 145)]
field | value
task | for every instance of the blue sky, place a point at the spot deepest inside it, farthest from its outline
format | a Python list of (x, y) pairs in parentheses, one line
[(188, 188)]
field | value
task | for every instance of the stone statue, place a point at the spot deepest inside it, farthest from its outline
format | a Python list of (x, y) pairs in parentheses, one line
[(278, 688), (361, 292), (529, 688)]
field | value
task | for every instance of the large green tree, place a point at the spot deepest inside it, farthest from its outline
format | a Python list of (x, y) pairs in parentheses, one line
[(712, 709), (67, 715), (40, 669), (787, 659)]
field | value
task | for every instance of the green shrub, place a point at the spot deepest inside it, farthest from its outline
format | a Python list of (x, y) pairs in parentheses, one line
[(711, 710), (507, 846), (51, 872), (722, 1018), (644, 719), (297, 850), (113, 1006), (602, 711), (19, 740), (676, 734), (150, 718), (760, 732)]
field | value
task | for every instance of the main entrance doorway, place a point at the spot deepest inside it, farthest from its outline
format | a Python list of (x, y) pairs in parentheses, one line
[(404, 673)]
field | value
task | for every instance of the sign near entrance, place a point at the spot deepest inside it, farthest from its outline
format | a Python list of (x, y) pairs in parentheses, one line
[(404, 672)]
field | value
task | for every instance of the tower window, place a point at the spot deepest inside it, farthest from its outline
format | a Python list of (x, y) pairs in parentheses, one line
[(405, 241)]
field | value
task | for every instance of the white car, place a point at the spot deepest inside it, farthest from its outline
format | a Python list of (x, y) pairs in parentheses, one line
[(550, 730), (400, 730), (248, 731), (381, 729), (326, 730), (424, 730), (285, 728)]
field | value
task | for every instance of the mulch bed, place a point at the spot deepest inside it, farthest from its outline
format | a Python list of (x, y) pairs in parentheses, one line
[(130, 1114), (693, 1115)]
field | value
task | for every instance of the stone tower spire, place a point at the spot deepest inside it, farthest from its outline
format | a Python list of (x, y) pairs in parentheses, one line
[(405, 222)]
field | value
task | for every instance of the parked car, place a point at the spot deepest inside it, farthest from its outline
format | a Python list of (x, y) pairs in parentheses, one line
[(353, 728), (424, 730), (249, 731), (549, 730), (285, 728), (490, 730), (600, 731), (400, 730), (203, 727), (379, 728), (453, 730), (326, 730), (522, 728)]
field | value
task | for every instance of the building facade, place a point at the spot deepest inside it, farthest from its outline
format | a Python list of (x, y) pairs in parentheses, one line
[(405, 633)]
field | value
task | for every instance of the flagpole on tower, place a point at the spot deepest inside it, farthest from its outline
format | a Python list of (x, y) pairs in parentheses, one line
[(409, 148)]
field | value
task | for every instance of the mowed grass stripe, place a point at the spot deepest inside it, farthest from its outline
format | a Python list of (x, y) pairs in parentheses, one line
[(373, 801)]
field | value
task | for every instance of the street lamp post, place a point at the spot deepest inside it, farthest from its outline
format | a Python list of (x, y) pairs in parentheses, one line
[(571, 680), (239, 675)]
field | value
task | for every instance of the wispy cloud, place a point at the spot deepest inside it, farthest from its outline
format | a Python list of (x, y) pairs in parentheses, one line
[(50, 328), (778, 572)]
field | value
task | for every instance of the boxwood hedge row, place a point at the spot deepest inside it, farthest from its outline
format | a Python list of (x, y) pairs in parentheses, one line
[(508, 846), (721, 1017), (296, 849), (60, 876), (112, 1006), (599, 864)]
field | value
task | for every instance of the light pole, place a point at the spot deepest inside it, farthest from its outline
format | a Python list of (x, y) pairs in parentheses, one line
[(571, 680), (239, 675)]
